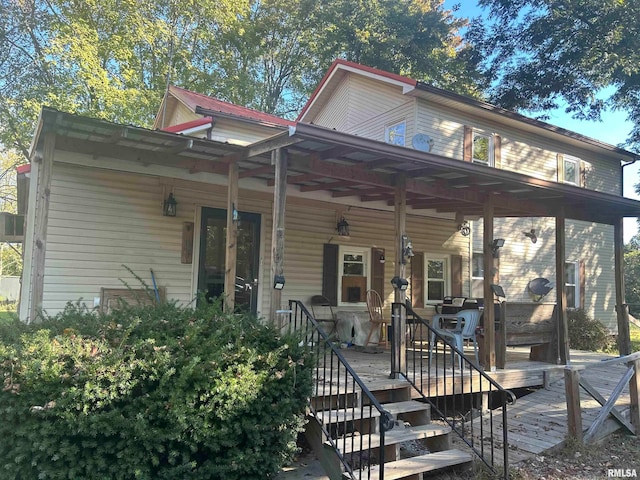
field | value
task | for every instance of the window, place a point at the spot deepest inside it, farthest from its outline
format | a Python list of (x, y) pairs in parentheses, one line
[(396, 133), (482, 148), (437, 278), (353, 280), (571, 282), (571, 169), (477, 265)]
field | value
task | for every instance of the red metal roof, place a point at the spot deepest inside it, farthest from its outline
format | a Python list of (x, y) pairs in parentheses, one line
[(22, 169), (193, 100), (181, 127), (364, 68)]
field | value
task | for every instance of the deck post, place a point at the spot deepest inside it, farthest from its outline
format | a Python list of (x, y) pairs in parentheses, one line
[(43, 193), (489, 315), (563, 321), (399, 344), (622, 309), (634, 395), (279, 159), (574, 413), (231, 251)]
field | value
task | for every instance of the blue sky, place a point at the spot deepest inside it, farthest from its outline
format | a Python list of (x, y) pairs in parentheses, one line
[(613, 128)]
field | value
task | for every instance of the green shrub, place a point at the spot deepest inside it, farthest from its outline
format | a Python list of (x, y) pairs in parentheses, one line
[(586, 333), (150, 393)]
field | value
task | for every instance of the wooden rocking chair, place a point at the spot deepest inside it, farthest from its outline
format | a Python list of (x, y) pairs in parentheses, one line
[(374, 305)]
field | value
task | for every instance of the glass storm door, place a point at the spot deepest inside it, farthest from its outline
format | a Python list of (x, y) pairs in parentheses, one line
[(211, 270)]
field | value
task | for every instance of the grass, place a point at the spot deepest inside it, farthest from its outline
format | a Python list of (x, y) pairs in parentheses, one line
[(6, 315), (634, 332)]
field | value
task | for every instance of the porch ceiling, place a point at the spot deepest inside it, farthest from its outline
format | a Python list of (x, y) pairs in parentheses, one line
[(345, 165)]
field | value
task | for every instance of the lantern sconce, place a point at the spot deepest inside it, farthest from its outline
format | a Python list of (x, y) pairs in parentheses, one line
[(381, 258), (343, 227), (169, 207), (462, 225)]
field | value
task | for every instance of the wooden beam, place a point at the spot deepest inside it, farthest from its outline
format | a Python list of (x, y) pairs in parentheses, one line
[(489, 316), (206, 166), (40, 226), (615, 413), (188, 145), (622, 309), (335, 152), (353, 192), (562, 319), (231, 251), (256, 171), (325, 186), (634, 396), (279, 159), (574, 412), (399, 344)]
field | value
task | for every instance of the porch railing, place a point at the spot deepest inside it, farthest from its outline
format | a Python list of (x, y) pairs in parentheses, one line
[(463, 397), (342, 405)]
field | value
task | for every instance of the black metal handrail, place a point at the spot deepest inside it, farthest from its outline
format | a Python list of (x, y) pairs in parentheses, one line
[(335, 404), (452, 395)]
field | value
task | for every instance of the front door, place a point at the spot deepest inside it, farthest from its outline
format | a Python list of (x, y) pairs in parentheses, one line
[(213, 234)]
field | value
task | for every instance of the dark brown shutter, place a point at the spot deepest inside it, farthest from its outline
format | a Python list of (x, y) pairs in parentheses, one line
[(456, 275), (417, 280), (330, 273), (581, 280), (467, 147), (377, 271), (497, 151), (560, 158)]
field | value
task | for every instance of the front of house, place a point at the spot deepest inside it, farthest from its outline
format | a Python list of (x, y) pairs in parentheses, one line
[(395, 159)]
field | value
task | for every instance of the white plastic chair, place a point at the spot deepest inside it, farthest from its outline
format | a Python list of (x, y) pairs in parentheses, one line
[(465, 329)]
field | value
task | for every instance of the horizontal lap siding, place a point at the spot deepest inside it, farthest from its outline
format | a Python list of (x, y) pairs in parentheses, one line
[(334, 114)]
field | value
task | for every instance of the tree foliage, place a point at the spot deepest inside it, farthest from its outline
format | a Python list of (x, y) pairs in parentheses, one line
[(112, 58), (545, 53), (632, 274)]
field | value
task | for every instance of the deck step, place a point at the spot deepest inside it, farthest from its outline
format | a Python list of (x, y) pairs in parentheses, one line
[(416, 465), (396, 435), (359, 413)]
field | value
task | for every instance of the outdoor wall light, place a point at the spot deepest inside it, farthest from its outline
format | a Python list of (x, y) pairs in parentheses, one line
[(464, 228), (400, 283), (381, 259), (531, 234), (278, 282), (170, 206), (343, 227), (495, 245), (407, 248)]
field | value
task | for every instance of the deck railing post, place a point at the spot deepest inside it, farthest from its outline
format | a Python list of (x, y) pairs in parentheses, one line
[(574, 414), (634, 394)]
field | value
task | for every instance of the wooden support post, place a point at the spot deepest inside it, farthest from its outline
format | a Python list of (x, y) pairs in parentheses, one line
[(40, 225), (489, 360), (574, 413), (279, 160), (563, 321), (231, 252), (399, 326), (634, 395), (501, 338), (622, 309)]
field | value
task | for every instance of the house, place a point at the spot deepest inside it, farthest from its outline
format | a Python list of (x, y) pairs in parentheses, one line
[(421, 180)]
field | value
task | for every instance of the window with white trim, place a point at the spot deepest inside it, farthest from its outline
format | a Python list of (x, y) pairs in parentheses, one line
[(571, 284), (353, 275), (482, 148), (437, 278), (571, 169), (396, 133), (477, 265)]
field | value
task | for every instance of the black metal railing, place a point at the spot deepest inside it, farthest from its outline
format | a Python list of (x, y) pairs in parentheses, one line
[(346, 411), (459, 391)]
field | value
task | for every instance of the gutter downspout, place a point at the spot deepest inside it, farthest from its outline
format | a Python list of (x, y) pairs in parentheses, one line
[(622, 173)]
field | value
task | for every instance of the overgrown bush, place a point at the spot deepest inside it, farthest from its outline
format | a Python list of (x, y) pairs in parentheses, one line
[(586, 333), (150, 393)]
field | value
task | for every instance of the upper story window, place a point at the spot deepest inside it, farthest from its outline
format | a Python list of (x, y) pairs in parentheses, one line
[(482, 148), (396, 133), (571, 170), (353, 279), (437, 278)]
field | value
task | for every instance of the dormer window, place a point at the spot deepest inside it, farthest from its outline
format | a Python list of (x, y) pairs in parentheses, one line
[(571, 169), (482, 148), (395, 134)]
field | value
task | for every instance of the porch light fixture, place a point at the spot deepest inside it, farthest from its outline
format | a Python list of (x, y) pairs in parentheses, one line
[(531, 235), (169, 206), (381, 259), (400, 283), (495, 245), (464, 228), (278, 282), (343, 227), (407, 249)]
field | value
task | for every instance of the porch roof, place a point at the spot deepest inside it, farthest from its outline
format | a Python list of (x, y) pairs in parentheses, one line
[(344, 165)]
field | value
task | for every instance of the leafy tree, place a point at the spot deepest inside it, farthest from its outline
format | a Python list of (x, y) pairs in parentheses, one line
[(632, 274), (544, 53)]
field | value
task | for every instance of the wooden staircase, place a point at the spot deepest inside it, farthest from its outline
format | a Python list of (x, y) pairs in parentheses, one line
[(412, 447)]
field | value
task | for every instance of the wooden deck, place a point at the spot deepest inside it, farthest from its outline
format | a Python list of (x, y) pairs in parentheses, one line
[(538, 421)]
